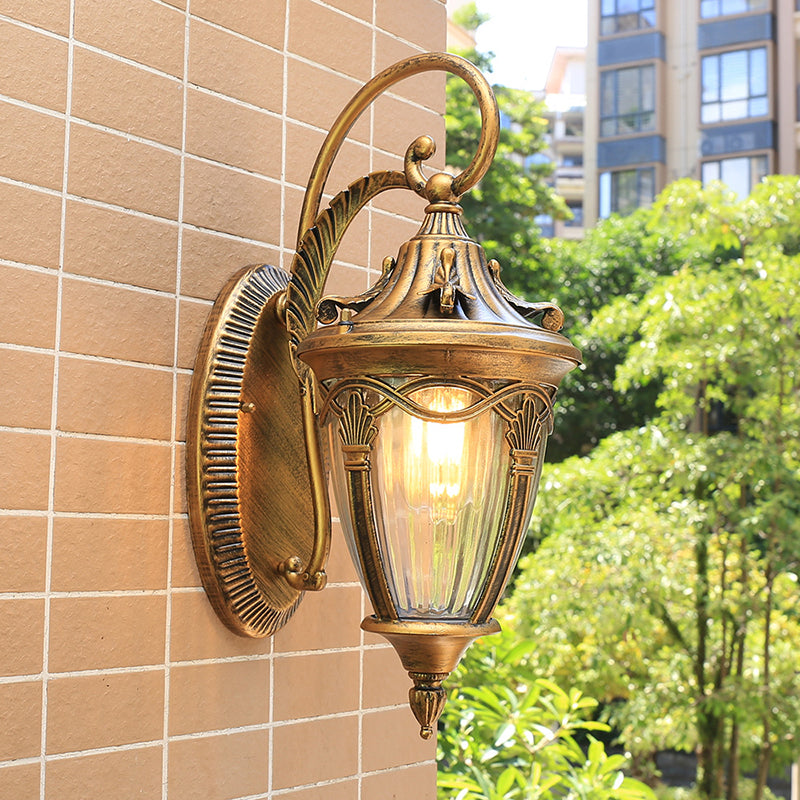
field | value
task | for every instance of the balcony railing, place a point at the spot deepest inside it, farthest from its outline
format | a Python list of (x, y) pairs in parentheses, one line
[(569, 172)]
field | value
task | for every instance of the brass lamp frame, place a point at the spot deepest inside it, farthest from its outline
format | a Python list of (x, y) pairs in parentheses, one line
[(265, 377)]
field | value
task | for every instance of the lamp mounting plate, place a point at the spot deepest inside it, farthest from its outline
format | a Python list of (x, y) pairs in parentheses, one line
[(248, 486)]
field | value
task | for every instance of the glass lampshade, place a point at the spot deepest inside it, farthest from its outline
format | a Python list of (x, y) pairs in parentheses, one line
[(440, 488)]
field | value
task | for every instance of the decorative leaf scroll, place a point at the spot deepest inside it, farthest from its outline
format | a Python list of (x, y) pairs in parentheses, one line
[(525, 433), (357, 431), (357, 427), (552, 315), (525, 430), (223, 559), (427, 699), (318, 246), (388, 396)]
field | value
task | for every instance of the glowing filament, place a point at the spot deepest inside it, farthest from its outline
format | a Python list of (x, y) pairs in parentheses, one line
[(437, 448)]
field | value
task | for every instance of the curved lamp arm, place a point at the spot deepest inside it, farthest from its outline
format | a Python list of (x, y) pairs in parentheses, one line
[(248, 384), (426, 62), (256, 486)]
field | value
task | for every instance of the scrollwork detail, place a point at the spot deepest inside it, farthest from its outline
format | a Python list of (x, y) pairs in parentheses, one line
[(318, 246), (526, 431), (329, 307), (552, 316), (319, 234), (446, 282), (357, 430), (389, 396)]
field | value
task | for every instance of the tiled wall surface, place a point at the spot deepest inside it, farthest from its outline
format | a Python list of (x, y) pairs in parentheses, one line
[(146, 150)]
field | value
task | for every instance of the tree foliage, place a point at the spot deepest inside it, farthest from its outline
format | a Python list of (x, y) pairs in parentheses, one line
[(500, 212), (620, 257), (653, 576), (667, 572)]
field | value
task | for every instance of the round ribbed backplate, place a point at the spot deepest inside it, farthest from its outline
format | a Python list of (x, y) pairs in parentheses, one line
[(248, 489)]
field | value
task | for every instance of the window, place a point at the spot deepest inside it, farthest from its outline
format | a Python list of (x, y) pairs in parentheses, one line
[(627, 101), (625, 191), (721, 8), (619, 16), (739, 174), (572, 161), (577, 215), (574, 128), (734, 85), (546, 225)]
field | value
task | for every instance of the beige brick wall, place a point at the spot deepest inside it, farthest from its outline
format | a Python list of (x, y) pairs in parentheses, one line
[(146, 151)]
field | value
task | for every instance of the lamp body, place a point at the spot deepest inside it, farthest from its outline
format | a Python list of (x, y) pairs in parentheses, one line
[(431, 395), (436, 403)]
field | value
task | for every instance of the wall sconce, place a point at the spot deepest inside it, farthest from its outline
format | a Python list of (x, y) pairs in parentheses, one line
[(431, 395)]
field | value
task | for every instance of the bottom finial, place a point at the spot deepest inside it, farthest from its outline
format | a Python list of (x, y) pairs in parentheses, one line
[(427, 698), (430, 651)]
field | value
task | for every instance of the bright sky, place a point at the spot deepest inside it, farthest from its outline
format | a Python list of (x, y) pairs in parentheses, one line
[(523, 33)]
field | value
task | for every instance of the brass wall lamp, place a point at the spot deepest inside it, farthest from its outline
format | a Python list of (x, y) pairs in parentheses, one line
[(430, 396)]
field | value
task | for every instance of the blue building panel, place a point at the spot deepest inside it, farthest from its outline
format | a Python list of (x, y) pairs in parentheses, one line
[(739, 30), (627, 152), (725, 139), (627, 49)]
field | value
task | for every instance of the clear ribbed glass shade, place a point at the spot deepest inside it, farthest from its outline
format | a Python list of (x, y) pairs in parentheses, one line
[(439, 492)]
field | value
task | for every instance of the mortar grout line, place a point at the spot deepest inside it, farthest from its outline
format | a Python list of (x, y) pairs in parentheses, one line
[(54, 409), (103, 204), (334, 781), (175, 421), (173, 515), (362, 601), (121, 515), (98, 437), (155, 70)]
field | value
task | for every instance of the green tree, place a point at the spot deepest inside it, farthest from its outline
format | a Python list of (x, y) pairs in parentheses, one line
[(620, 257), (651, 591), (501, 211), (667, 576)]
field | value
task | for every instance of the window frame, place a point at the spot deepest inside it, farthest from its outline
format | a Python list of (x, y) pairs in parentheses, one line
[(758, 6), (750, 157), (613, 178), (619, 22), (577, 219), (546, 224), (617, 118), (750, 99)]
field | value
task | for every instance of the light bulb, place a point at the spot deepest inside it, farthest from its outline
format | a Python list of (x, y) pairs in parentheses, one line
[(435, 468)]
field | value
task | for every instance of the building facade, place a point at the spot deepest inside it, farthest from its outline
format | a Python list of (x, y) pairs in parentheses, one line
[(564, 109), (148, 150), (688, 88)]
